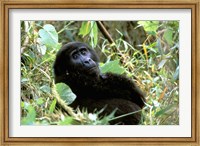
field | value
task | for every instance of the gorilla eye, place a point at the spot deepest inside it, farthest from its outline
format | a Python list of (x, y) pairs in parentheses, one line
[(83, 52), (75, 56)]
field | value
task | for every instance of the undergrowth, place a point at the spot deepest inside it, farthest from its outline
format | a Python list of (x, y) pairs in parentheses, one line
[(146, 51)]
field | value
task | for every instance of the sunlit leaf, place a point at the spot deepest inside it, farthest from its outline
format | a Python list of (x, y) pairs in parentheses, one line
[(22, 104), (95, 33), (52, 106), (150, 26), (65, 92), (85, 29), (156, 79), (49, 36), (66, 121), (112, 66), (90, 28), (30, 118), (42, 49), (162, 63)]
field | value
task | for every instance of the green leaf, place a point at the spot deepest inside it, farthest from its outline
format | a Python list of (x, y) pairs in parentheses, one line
[(176, 74), (90, 28), (30, 118), (24, 80), (42, 49), (45, 89), (159, 46), (168, 36), (85, 29), (105, 120), (94, 34), (150, 26), (162, 63), (66, 121), (40, 101), (52, 106), (22, 104), (49, 36), (65, 92), (166, 110), (112, 66)]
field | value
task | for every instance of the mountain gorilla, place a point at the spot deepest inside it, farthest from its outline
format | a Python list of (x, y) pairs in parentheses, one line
[(76, 65)]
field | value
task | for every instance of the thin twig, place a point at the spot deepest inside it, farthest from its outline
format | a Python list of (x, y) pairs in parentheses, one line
[(105, 32), (128, 114)]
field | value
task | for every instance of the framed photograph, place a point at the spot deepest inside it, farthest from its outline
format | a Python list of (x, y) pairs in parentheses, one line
[(104, 72)]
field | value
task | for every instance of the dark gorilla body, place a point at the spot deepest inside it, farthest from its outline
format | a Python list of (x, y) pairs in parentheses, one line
[(77, 66)]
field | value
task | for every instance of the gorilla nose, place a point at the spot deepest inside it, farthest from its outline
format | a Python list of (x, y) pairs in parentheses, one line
[(88, 61)]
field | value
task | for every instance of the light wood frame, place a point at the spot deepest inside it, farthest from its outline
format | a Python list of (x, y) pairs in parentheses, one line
[(176, 4)]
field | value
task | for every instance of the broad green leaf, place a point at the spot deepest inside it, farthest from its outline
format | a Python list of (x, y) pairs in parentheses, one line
[(65, 92), (150, 26), (168, 36), (30, 118), (52, 106), (90, 28), (112, 66), (85, 29), (49, 36)]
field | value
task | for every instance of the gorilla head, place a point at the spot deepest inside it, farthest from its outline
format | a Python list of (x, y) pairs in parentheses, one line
[(76, 57)]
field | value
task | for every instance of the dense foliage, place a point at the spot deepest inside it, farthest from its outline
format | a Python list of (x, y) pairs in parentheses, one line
[(146, 51)]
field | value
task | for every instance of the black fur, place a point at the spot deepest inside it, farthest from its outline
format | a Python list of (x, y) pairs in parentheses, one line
[(95, 90)]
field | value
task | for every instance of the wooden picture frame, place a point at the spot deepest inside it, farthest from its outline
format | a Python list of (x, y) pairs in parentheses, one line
[(193, 5)]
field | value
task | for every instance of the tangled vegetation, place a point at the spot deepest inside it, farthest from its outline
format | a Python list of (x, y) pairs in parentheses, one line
[(146, 51)]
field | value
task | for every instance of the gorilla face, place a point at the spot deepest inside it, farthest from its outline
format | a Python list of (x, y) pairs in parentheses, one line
[(81, 60), (76, 57)]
